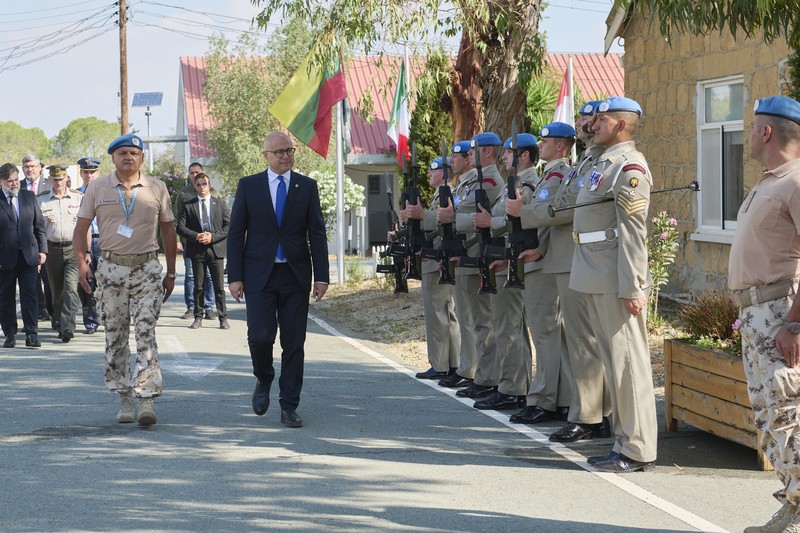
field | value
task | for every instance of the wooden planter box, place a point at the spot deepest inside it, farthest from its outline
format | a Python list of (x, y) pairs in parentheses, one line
[(707, 389)]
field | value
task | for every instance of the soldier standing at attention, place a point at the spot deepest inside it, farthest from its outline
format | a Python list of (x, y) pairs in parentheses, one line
[(130, 208), (610, 266), (763, 275), (441, 324), (59, 208)]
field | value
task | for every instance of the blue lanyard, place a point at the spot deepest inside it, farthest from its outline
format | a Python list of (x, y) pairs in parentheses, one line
[(127, 209)]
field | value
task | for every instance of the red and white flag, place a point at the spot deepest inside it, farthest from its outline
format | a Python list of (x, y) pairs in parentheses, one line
[(565, 106), (399, 122)]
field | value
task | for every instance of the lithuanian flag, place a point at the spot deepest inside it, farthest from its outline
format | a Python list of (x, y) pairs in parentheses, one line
[(304, 106)]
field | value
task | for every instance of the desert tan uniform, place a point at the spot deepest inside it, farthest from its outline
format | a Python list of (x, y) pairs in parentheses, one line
[(591, 400), (129, 276), (763, 275), (475, 310), (62, 269), (610, 264), (441, 324), (551, 387), (508, 321)]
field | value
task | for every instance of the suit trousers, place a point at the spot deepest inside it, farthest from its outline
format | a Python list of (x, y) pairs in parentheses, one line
[(26, 276), (622, 342), (216, 266), (441, 325), (284, 303), (591, 398), (62, 273), (513, 345), (552, 384)]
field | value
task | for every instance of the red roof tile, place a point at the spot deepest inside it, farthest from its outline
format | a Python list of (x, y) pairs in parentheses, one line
[(596, 75)]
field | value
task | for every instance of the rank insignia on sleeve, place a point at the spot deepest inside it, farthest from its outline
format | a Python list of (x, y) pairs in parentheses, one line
[(631, 206), (543, 195), (594, 180), (632, 166), (634, 182), (554, 175), (490, 181)]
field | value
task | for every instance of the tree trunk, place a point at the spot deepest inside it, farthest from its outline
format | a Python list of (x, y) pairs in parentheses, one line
[(465, 102)]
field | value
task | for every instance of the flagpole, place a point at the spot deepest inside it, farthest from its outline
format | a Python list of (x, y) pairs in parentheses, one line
[(571, 103), (339, 193)]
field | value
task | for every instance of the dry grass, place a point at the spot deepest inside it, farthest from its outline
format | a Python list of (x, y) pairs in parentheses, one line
[(371, 308)]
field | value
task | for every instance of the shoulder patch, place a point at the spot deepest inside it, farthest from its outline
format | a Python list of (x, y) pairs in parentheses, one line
[(633, 166), (543, 195), (558, 175), (490, 181)]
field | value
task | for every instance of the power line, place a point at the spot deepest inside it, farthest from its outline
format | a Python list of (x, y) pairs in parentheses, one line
[(41, 17), (66, 49), (49, 9)]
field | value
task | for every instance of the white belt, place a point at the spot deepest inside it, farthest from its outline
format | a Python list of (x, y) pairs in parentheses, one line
[(609, 234)]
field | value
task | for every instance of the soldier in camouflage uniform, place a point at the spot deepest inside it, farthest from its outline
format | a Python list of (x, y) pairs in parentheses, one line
[(763, 275), (610, 266), (129, 207)]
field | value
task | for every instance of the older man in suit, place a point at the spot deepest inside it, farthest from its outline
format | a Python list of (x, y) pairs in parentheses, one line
[(203, 222), (276, 216), (36, 183), (23, 249)]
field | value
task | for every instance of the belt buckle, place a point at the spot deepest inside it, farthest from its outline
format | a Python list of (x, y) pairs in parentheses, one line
[(576, 238), (753, 294), (611, 234)]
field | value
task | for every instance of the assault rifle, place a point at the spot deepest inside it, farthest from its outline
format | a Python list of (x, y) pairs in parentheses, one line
[(416, 238), (396, 268), (450, 246), (484, 234), (519, 239)]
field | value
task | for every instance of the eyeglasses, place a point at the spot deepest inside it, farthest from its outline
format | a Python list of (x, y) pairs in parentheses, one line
[(282, 152), (201, 184)]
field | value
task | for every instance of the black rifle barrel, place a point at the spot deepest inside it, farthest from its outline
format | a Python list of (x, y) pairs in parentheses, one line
[(693, 186)]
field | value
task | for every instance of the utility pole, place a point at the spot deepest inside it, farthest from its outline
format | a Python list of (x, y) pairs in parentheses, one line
[(123, 69)]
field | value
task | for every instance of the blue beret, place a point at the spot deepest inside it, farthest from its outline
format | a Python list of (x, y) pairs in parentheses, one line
[(88, 163), (461, 147), (437, 163), (57, 172), (130, 139), (560, 130), (524, 140), (487, 138), (619, 103), (778, 106), (589, 107)]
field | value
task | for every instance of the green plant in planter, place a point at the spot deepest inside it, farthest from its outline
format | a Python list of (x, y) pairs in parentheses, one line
[(712, 321), (662, 245)]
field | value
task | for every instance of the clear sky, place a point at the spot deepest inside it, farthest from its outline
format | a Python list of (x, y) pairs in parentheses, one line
[(59, 59)]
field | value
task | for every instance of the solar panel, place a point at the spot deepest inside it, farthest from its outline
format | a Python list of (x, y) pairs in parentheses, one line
[(147, 99)]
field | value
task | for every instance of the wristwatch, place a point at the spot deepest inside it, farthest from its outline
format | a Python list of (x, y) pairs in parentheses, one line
[(793, 327), (172, 275)]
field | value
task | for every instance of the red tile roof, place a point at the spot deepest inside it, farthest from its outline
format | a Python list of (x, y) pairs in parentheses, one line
[(594, 74)]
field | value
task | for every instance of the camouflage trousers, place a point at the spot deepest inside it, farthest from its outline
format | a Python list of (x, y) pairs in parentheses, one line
[(123, 293), (774, 393)]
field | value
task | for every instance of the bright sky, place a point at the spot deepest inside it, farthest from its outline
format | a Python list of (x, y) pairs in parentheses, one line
[(59, 59)]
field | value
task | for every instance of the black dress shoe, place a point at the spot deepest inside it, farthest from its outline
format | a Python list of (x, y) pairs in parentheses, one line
[(66, 336), (623, 464), (290, 419), (431, 373), (501, 402), (533, 414), (454, 381), (11, 341), (44, 315), (476, 391), (562, 413), (574, 432), (600, 458), (261, 398), (32, 340), (55, 324)]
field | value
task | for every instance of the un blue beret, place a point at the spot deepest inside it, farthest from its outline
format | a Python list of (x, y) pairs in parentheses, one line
[(778, 106), (57, 172), (437, 163), (88, 163), (589, 107), (524, 140), (461, 147), (129, 140), (560, 130), (619, 103), (487, 138)]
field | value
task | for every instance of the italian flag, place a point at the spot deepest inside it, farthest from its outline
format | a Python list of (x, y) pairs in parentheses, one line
[(304, 107), (398, 123), (565, 108)]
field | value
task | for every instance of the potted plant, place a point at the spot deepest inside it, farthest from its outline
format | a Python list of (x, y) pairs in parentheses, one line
[(704, 382)]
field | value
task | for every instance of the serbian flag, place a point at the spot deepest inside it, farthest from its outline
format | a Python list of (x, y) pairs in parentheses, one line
[(305, 105), (398, 123), (565, 107)]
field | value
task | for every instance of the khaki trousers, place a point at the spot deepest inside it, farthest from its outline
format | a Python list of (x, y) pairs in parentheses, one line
[(441, 325), (474, 312), (62, 274), (513, 345)]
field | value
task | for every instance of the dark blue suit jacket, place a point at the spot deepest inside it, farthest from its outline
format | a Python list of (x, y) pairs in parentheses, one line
[(29, 235), (254, 234), (190, 224)]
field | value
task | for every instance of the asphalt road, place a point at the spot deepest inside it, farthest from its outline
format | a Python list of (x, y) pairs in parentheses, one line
[(380, 451)]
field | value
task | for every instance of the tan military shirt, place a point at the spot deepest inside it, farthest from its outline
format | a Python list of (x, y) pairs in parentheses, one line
[(151, 205), (530, 181), (60, 214), (431, 227), (617, 264), (766, 246), (464, 198)]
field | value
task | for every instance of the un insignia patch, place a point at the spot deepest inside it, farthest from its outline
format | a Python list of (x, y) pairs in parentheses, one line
[(543, 195)]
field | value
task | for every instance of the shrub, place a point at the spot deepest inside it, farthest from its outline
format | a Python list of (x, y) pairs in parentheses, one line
[(712, 321)]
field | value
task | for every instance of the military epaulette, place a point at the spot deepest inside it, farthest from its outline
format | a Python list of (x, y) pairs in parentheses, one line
[(634, 166), (558, 175), (75, 190), (531, 186), (491, 181), (43, 193)]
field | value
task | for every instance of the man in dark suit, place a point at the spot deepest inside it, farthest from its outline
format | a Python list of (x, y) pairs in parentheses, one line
[(36, 182), (276, 218), (23, 250), (203, 222)]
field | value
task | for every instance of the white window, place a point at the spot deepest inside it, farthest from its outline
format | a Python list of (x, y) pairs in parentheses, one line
[(720, 157)]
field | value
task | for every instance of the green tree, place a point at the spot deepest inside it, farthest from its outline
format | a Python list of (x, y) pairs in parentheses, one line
[(16, 141), (89, 136)]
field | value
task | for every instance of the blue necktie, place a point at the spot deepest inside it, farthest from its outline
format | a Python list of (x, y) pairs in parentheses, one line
[(280, 200)]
